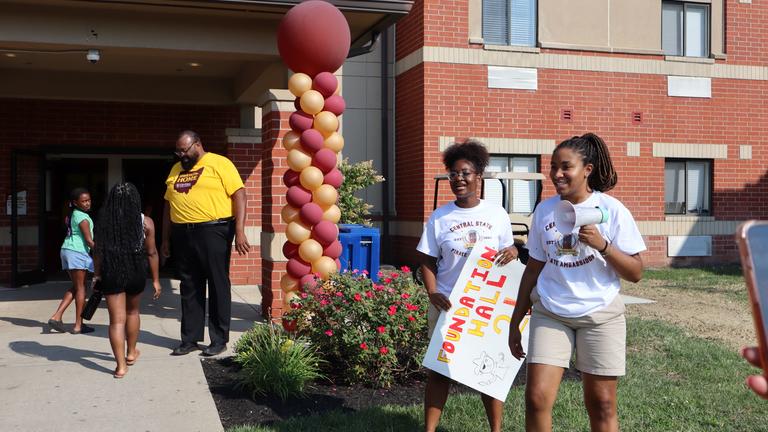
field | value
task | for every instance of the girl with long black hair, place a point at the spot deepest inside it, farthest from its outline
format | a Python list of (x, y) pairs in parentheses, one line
[(126, 248), (75, 259)]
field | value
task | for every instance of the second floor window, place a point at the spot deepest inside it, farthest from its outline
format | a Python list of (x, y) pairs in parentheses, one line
[(685, 29), (687, 187), (520, 194), (509, 22)]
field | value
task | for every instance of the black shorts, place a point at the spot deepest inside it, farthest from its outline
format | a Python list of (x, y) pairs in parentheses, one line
[(134, 286)]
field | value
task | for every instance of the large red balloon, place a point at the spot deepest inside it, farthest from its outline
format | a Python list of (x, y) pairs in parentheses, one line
[(325, 160), (326, 83), (334, 178), (313, 37), (297, 196), (335, 104), (300, 121), (290, 250), (333, 250), (291, 178), (312, 140), (325, 232), (311, 213), (297, 267)]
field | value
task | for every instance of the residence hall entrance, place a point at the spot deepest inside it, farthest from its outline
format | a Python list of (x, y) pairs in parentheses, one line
[(40, 219)]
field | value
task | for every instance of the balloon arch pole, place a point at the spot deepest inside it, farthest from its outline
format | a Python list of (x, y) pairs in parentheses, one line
[(313, 40)]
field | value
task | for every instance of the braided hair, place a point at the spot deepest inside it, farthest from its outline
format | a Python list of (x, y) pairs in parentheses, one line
[(74, 195), (593, 150), (471, 150), (120, 235)]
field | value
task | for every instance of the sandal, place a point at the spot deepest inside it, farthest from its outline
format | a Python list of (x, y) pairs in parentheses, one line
[(84, 329), (56, 325)]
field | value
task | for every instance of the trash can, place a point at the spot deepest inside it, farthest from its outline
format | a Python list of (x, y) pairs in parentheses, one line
[(360, 249)]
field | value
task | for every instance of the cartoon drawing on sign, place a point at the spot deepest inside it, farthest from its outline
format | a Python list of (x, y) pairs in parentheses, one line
[(494, 370)]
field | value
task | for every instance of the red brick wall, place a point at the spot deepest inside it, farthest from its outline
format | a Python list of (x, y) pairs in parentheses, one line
[(746, 32), (246, 270)]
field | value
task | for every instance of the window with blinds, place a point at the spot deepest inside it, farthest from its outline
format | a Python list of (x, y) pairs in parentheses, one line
[(509, 22), (687, 187), (516, 196), (685, 29)]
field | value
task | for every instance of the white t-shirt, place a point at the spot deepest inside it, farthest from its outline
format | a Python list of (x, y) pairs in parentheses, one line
[(451, 232), (576, 280)]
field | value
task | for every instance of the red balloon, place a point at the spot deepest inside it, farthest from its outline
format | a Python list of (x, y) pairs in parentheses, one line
[(297, 268), (311, 213), (297, 104), (298, 196), (338, 264), (325, 232), (334, 178), (291, 178), (326, 83), (313, 37), (290, 250), (312, 140), (300, 121), (333, 250), (335, 104), (324, 159), (308, 281)]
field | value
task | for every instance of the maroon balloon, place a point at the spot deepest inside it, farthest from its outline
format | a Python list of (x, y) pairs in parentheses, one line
[(333, 250), (334, 178), (312, 140), (297, 104), (325, 232), (298, 196), (311, 213), (300, 121), (324, 159), (291, 178), (326, 83), (290, 250), (335, 104), (338, 264), (313, 37), (308, 281), (297, 268)]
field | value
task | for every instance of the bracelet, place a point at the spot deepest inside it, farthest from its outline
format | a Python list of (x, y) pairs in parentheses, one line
[(604, 251)]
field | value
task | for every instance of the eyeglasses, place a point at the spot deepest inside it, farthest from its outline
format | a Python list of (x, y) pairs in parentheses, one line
[(181, 153), (454, 175)]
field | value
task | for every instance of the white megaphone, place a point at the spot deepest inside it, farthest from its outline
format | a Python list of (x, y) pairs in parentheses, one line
[(568, 217)]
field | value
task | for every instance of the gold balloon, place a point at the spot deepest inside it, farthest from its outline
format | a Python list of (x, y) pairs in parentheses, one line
[(298, 159), (326, 122), (311, 178), (287, 283), (288, 297), (324, 266), (325, 195), (312, 102), (332, 214), (289, 214), (334, 142), (310, 250), (299, 83), (297, 232), (291, 140)]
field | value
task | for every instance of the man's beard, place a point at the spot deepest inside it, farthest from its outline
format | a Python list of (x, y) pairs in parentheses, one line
[(188, 162)]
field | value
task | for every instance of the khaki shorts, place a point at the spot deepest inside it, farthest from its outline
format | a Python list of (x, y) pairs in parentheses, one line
[(600, 339)]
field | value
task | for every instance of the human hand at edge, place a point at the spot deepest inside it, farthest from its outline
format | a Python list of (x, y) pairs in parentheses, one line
[(591, 236), (758, 383), (505, 255), (440, 301), (516, 342), (241, 244), (158, 289)]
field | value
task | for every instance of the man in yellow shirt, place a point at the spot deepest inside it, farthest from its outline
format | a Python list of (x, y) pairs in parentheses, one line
[(204, 210)]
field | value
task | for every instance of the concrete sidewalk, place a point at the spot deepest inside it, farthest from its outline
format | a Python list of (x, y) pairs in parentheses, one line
[(53, 381)]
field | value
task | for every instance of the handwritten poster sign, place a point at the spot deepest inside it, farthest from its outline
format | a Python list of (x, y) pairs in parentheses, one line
[(470, 341)]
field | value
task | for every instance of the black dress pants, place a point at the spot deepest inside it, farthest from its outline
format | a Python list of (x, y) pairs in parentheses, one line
[(202, 254)]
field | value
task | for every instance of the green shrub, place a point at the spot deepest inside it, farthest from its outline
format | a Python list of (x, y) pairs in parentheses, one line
[(275, 364), (357, 176), (369, 333)]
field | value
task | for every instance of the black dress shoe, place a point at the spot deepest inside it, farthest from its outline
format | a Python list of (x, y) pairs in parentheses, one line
[(184, 349), (213, 350)]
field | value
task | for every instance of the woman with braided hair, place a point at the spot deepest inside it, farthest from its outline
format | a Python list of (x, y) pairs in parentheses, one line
[(572, 282), (125, 248)]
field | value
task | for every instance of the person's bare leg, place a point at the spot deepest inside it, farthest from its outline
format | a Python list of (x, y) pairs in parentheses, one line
[(78, 282), (116, 308), (541, 387), (600, 399), (494, 410), (132, 326), (435, 395), (69, 296)]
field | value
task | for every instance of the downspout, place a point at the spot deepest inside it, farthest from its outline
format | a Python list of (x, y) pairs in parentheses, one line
[(385, 244)]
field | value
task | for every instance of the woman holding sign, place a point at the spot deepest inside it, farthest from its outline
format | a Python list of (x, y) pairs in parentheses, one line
[(576, 275), (450, 233)]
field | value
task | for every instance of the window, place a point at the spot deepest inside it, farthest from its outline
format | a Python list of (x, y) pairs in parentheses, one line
[(520, 194), (687, 187), (685, 29), (509, 22)]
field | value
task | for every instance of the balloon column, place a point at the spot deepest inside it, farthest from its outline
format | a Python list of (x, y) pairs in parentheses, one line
[(313, 40)]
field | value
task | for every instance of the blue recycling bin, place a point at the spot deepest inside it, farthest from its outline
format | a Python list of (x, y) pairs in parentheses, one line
[(360, 249)]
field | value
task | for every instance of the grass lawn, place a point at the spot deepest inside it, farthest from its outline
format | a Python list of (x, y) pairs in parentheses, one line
[(674, 383), (725, 280)]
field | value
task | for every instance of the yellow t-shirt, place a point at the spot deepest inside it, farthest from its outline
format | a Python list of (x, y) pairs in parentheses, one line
[(203, 193)]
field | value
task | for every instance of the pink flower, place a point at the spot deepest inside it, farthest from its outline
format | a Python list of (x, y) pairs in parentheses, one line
[(381, 329), (303, 295), (378, 287), (358, 297), (323, 302), (391, 290), (369, 294), (295, 305), (400, 327), (339, 294), (405, 296), (383, 350), (392, 310), (411, 307), (365, 272), (329, 332), (363, 346), (411, 318), (354, 271), (395, 275), (379, 274), (388, 280), (405, 269)]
